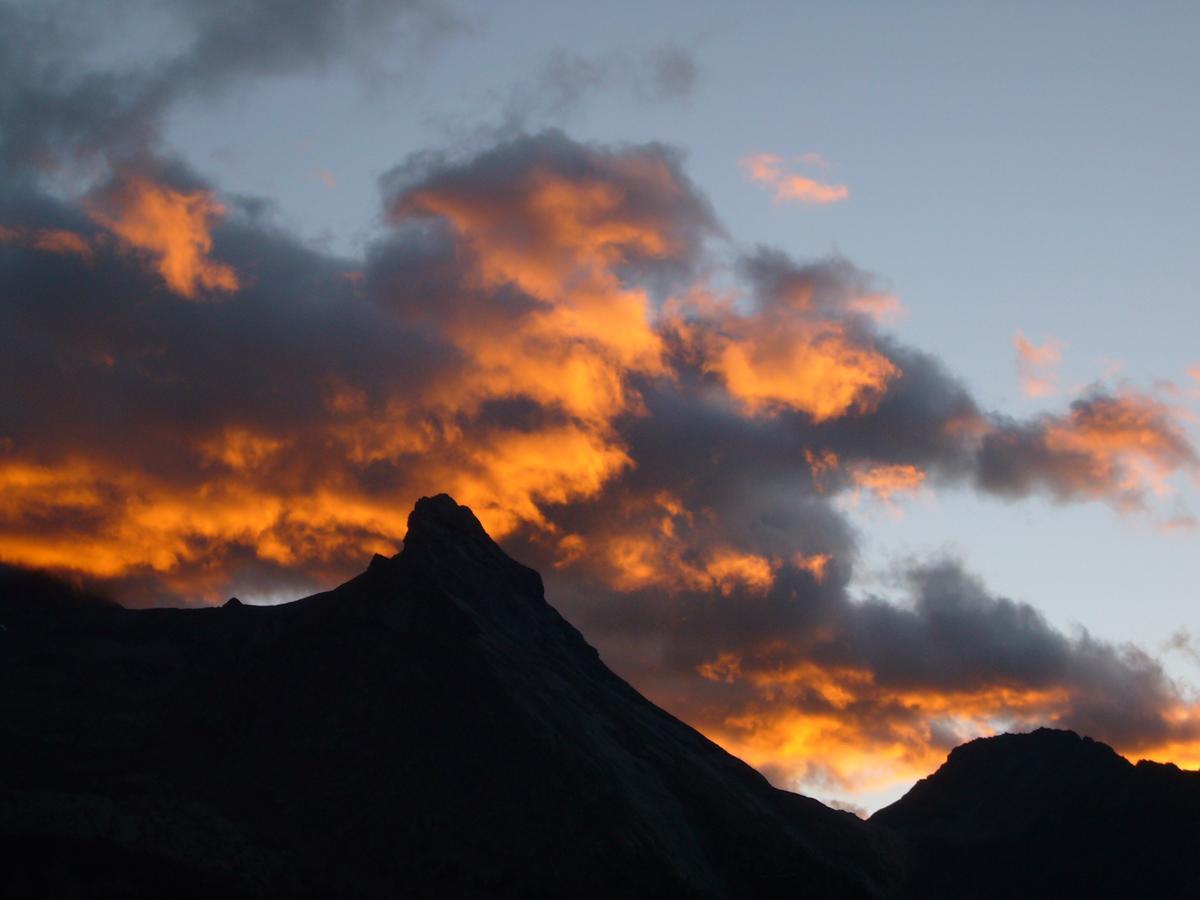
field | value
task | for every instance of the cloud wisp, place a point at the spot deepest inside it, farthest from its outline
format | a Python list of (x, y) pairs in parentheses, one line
[(769, 170), (1036, 365)]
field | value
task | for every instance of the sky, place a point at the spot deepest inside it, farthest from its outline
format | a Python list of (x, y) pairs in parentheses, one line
[(834, 363)]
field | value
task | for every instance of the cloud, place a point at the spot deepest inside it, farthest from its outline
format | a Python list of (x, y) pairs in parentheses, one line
[(1036, 364), (1116, 447), (60, 105), (888, 480), (565, 82), (547, 330), (48, 240), (791, 187), (171, 228), (840, 695)]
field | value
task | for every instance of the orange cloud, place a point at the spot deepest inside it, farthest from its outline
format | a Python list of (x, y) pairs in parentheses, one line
[(170, 227), (791, 356), (1125, 445), (885, 742), (658, 543), (767, 169), (886, 481), (815, 564), (815, 725), (49, 240), (822, 726), (559, 240), (1036, 364), (127, 523)]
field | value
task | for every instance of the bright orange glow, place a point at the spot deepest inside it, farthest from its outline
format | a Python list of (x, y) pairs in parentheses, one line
[(170, 227), (798, 362), (514, 473), (729, 568), (161, 527), (1183, 753), (767, 168), (559, 241), (1036, 363), (837, 726)]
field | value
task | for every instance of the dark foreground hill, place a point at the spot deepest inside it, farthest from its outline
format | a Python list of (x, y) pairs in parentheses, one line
[(1050, 814), (431, 728)]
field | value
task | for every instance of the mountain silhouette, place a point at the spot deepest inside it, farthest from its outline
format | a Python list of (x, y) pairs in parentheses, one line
[(430, 728), (1050, 814), (434, 728)]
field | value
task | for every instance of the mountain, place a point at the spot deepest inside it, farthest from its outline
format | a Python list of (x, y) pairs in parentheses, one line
[(1050, 814), (431, 728)]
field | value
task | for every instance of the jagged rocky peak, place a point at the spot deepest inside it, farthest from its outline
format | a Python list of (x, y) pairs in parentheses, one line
[(446, 539), (440, 520)]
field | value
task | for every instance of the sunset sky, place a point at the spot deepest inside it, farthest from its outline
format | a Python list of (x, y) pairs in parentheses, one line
[(836, 364)]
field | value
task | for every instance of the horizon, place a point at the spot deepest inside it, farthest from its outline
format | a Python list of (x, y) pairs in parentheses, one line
[(831, 365)]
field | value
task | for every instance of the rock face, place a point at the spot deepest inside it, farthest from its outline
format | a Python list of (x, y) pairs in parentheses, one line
[(430, 728), (1050, 814)]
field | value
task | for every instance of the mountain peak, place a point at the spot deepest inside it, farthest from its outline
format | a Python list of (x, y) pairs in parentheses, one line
[(448, 545), (440, 519)]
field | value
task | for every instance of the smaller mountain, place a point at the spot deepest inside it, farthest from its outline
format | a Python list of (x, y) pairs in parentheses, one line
[(1050, 814)]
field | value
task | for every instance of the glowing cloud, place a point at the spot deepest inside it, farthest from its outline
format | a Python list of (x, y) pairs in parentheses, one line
[(170, 227), (1112, 447), (1129, 442), (811, 367), (888, 480), (49, 240), (789, 187)]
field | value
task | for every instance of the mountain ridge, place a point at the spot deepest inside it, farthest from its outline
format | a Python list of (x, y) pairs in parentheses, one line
[(431, 725), (1050, 813), (434, 727)]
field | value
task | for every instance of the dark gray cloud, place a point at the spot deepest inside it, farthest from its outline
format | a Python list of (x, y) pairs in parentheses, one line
[(66, 93)]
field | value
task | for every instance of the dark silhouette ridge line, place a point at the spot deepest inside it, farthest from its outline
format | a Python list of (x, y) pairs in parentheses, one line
[(433, 727)]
